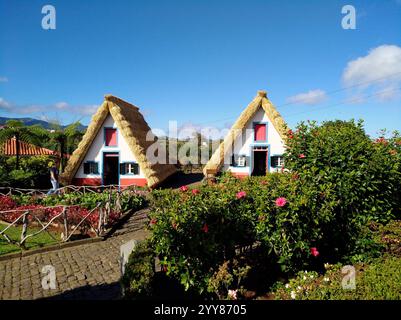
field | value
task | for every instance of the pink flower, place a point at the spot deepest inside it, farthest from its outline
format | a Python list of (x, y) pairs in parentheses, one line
[(184, 188), (263, 182), (205, 228), (195, 191), (314, 251), (153, 221), (281, 202), (302, 156), (241, 194)]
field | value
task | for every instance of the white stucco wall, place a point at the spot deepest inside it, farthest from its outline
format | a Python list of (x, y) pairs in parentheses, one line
[(243, 144), (95, 152)]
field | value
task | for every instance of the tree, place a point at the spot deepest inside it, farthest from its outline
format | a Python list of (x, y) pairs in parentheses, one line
[(17, 129), (66, 139)]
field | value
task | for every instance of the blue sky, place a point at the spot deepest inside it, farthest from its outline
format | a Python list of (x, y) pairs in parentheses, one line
[(201, 62)]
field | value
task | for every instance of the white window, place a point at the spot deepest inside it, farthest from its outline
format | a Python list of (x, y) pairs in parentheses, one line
[(129, 168), (241, 161), (277, 161)]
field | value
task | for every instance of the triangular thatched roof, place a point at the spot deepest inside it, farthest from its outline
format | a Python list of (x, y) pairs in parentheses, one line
[(134, 129), (261, 100)]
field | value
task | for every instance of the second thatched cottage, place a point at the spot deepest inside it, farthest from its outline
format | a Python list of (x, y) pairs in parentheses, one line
[(255, 143), (113, 150)]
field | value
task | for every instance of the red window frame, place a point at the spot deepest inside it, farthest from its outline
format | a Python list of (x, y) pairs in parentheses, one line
[(110, 137), (260, 132)]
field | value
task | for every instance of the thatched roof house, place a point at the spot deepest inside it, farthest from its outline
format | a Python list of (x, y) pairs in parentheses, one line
[(255, 143), (113, 150)]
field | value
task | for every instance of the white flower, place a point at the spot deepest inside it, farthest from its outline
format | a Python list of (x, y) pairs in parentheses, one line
[(293, 295), (326, 265), (304, 277), (299, 288), (287, 285), (232, 294), (312, 276), (326, 279)]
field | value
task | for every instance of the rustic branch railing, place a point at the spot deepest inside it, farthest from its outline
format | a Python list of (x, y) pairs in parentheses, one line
[(67, 220), (99, 229), (8, 191)]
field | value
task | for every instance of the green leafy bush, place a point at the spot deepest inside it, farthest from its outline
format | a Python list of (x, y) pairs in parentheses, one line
[(380, 280), (33, 172), (138, 278), (362, 175)]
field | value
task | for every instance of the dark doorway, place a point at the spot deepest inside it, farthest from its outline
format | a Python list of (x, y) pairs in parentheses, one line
[(259, 163), (110, 169)]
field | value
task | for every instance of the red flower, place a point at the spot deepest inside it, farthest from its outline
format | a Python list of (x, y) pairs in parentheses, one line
[(264, 182), (153, 221), (184, 188), (241, 194), (291, 136), (301, 156), (174, 225), (290, 132), (295, 176), (195, 191), (205, 228), (382, 140), (281, 202), (314, 251)]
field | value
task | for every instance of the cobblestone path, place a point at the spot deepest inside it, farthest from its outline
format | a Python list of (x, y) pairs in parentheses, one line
[(87, 271)]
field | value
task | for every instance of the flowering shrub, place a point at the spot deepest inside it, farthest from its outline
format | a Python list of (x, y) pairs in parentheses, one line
[(362, 176), (338, 180), (194, 234), (7, 203)]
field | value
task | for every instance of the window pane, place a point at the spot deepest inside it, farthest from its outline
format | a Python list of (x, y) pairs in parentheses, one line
[(260, 132), (110, 137)]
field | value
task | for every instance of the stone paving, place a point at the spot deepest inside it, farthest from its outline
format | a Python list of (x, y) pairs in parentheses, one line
[(87, 271)]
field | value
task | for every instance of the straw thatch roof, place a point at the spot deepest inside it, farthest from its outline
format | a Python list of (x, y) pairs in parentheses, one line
[(133, 128), (260, 101)]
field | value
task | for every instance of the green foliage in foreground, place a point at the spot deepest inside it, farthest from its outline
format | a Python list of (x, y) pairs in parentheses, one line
[(380, 280), (140, 270)]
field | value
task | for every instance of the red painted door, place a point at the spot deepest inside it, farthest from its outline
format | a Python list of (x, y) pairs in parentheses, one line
[(260, 132), (111, 137)]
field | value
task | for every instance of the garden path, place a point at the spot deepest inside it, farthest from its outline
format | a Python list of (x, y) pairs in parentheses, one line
[(88, 271)]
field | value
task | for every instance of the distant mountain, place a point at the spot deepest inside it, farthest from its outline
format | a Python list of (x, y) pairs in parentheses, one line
[(31, 122)]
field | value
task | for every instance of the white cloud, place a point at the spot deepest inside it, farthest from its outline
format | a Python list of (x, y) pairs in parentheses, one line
[(379, 70), (311, 97), (3, 79), (5, 105), (87, 110), (61, 105), (83, 110)]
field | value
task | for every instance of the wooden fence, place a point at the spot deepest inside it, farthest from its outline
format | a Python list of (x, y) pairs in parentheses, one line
[(30, 217)]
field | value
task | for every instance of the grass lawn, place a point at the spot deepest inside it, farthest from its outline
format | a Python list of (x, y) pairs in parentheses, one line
[(35, 242)]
